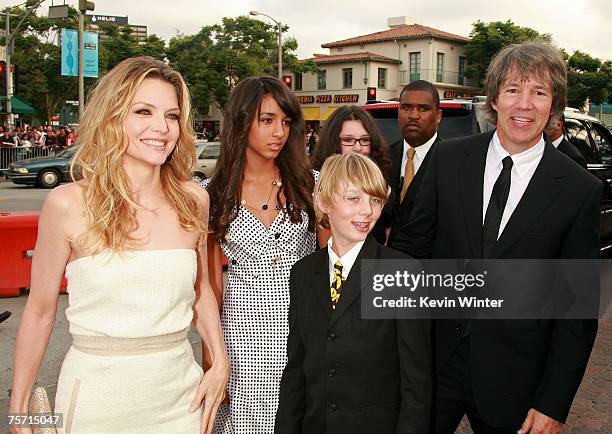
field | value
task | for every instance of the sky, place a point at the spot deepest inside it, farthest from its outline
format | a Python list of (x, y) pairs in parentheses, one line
[(584, 25)]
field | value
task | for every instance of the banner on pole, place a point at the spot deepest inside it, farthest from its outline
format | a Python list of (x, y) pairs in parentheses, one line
[(70, 53)]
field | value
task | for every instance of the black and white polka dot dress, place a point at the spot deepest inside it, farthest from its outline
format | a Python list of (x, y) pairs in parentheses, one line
[(254, 318)]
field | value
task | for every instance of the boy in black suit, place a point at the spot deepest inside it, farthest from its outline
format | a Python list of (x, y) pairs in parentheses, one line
[(346, 374)]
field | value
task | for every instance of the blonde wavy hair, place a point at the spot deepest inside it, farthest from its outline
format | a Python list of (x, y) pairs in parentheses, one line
[(108, 203)]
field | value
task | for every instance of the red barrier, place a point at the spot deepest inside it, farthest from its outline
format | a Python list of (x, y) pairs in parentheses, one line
[(18, 231)]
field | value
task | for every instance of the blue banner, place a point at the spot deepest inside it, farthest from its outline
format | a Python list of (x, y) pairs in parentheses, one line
[(91, 54), (70, 53)]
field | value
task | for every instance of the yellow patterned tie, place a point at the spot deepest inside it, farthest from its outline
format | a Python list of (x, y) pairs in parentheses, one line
[(334, 291), (408, 172)]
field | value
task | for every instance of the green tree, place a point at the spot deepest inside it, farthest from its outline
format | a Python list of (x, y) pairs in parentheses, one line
[(588, 77), (38, 56), (218, 56), (488, 38)]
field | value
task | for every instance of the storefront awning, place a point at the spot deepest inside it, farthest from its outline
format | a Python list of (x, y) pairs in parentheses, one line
[(19, 106), (328, 112), (311, 113)]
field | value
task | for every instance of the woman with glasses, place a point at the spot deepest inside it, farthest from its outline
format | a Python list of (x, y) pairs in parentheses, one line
[(352, 129)]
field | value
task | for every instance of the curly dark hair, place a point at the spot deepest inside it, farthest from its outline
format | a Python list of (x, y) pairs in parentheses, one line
[(329, 141), (298, 181)]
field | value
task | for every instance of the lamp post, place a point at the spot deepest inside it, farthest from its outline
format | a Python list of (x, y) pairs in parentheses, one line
[(280, 42)]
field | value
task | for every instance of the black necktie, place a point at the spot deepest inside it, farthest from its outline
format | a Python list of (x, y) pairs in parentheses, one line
[(495, 210)]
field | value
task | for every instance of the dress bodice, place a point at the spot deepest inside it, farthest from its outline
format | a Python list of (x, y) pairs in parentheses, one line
[(131, 294)]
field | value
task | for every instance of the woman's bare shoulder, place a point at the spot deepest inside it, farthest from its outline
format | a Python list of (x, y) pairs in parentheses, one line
[(66, 198), (198, 191)]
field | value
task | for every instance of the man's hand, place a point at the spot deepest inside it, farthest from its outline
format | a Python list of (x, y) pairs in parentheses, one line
[(538, 423)]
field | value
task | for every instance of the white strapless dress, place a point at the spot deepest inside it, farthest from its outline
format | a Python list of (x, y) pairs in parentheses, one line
[(130, 368)]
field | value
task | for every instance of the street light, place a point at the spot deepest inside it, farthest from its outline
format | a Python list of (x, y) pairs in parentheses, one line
[(280, 42)]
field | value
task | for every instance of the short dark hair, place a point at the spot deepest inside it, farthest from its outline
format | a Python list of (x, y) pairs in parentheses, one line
[(424, 86), (537, 58)]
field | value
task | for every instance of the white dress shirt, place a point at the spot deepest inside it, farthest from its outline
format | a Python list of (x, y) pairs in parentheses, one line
[(557, 142), (419, 154), (525, 164), (347, 260)]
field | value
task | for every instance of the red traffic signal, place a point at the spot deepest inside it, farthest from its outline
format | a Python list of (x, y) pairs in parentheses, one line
[(288, 80), (371, 96)]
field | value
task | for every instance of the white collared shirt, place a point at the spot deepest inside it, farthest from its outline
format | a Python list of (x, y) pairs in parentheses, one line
[(347, 260), (523, 168), (557, 142), (419, 154)]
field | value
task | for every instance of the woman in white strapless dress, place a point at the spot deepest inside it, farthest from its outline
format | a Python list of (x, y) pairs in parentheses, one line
[(130, 237)]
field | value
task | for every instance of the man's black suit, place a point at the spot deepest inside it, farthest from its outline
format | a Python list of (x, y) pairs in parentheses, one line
[(514, 364), (571, 151), (404, 208), (345, 374)]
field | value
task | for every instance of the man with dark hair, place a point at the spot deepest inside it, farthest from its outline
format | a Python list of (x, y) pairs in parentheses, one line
[(555, 134), (508, 194), (419, 115)]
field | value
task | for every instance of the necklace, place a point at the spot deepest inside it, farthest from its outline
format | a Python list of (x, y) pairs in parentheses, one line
[(265, 206)]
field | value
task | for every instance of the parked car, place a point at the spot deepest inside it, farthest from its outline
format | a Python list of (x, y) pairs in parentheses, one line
[(206, 154), (46, 172), (464, 117)]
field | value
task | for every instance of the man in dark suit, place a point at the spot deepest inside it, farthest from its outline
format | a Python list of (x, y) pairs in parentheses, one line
[(419, 115), (555, 134), (346, 374), (509, 194)]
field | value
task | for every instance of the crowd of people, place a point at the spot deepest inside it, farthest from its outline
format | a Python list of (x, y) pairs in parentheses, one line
[(285, 347), (39, 137)]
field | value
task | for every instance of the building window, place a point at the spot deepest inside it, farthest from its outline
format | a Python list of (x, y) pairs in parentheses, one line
[(461, 70), (382, 78), (322, 80), (347, 78), (415, 66), (440, 68), (297, 81)]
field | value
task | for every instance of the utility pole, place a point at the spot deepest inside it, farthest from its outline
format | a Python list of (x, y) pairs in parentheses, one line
[(84, 6), (8, 73), (81, 65)]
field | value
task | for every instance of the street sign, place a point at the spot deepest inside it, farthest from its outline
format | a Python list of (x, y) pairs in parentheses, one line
[(56, 12), (70, 53), (107, 19)]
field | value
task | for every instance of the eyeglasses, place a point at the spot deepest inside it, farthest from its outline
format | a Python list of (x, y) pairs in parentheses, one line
[(352, 141)]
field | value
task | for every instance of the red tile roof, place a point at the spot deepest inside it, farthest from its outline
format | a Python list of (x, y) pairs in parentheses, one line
[(401, 32), (321, 59)]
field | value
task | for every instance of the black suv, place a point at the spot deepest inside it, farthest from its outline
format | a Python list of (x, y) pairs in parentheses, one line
[(464, 117)]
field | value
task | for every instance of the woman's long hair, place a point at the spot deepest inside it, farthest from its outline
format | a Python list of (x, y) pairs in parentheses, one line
[(109, 206), (298, 182), (329, 140)]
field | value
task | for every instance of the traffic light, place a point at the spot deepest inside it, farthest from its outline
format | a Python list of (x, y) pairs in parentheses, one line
[(2, 78), (20, 79), (288, 80), (85, 6), (371, 96)]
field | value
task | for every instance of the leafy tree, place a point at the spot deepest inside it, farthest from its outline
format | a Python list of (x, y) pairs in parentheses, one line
[(488, 38), (218, 56), (38, 57), (588, 77)]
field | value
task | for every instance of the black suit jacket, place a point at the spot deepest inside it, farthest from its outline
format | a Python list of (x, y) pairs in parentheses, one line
[(402, 209), (345, 374), (515, 364), (571, 151)]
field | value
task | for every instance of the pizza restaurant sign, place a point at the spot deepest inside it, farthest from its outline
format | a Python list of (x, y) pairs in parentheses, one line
[(327, 99)]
